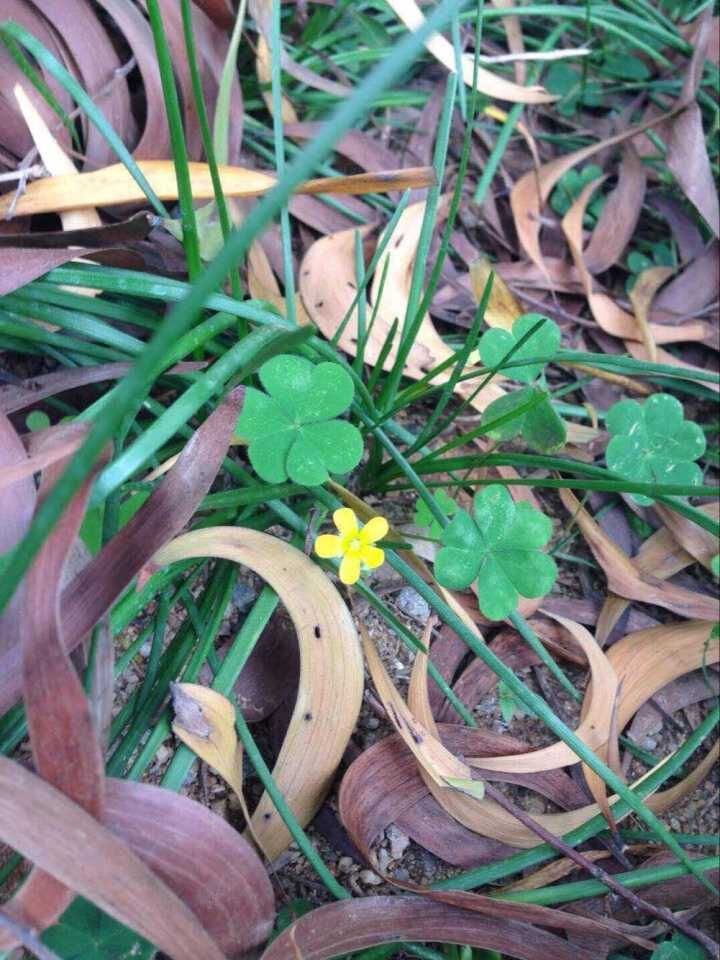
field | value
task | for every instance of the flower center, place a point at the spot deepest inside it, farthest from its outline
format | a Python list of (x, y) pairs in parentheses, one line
[(354, 544)]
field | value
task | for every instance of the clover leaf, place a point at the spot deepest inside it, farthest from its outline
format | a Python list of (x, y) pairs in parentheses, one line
[(424, 518), (499, 547), (496, 343), (84, 932), (529, 412), (653, 443), (291, 429)]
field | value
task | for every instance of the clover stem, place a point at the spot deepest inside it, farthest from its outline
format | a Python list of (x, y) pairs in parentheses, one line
[(534, 642)]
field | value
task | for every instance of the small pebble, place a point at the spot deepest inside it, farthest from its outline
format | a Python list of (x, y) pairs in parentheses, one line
[(372, 723), (345, 864), (163, 753), (401, 874), (369, 878), (649, 743), (413, 605), (384, 857), (399, 841), (145, 649)]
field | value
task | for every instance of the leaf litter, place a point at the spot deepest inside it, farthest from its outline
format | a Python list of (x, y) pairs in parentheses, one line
[(399, 768)]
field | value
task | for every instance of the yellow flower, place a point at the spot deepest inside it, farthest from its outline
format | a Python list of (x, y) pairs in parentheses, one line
[(354, 545)]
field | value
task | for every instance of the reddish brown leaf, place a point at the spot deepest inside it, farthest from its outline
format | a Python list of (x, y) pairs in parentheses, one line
[(619, 215), (210, 866), (67, 842), (686, 151), (18, 396), (351, 925), (165, 513), (21, 266)]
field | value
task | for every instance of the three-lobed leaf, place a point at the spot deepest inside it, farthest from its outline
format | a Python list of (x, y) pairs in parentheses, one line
[(653, 443), (496, 343), (499, 548), (84, 932), (424, 518), (530, 413), (292, 428)]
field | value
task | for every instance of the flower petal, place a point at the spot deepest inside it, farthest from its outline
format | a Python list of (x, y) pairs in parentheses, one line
[(345, 520), (350, 569), (374, 529), (328, 545), (372, 557)]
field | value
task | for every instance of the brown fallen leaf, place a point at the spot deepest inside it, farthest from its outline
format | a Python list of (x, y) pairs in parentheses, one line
[(200, 857), (18, 396), (687, 155), (646, 285), (351, 925), (67, 842), (114, 185), (531, 192), (488, 83), (619, 215), (612, 318), (55, 160), (643, 663), (626, 580), (502, 309), (331, 673)]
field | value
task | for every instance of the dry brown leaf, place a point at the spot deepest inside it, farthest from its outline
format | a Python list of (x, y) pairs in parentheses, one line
[(331, 670), (619, 215), (439, 764), (57, 162), (114, 185), (205, 722), (699, 543), (263, 68), (646, 285), (643, 662), (328, 287), (530, 193), (487, 82), (262, 284), (612, 318), (628, 581), (502, 309)]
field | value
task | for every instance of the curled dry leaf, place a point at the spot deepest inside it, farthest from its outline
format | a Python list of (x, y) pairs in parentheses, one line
[(530, 193), (619, 215), (488, 83), (642, 294), (55, 160), (45, 447), (200, 857), (631, 582), (351, 925), (114, 185), (687, 155), (502, 309), (331, 673), (612, 318), (328, 286), (65, 749), (643, 662), (67, 842), (170, 506)]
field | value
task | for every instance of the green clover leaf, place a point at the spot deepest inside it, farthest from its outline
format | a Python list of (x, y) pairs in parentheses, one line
[(423, 517), (530, 413), (496, 343), (291, 430), (84, 932), (653, 443), (499, 547)]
